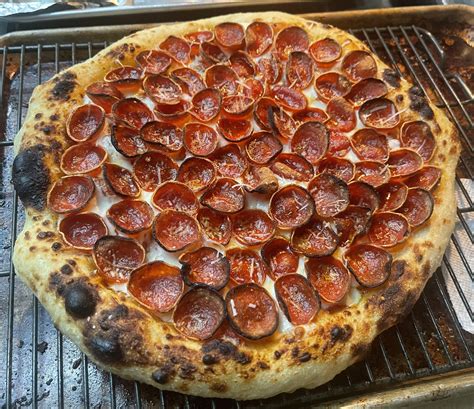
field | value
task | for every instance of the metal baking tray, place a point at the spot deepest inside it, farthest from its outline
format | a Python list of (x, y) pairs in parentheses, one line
[(428, 356)]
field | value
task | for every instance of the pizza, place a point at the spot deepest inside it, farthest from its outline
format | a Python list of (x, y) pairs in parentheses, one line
[(232, 207)]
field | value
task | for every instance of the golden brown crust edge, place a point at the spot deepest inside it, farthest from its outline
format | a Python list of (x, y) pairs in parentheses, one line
[(122, 337)]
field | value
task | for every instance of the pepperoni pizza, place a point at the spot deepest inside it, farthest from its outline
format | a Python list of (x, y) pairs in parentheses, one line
[(232, 207)]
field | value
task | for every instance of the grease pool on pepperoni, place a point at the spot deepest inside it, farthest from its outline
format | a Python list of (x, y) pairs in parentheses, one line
[(279, 256), (82, 230), (127, 141), (125, 78), (262, 148), (291, 206), (225, 195), (229, 161), (103, 94), (404, 162), (325, 52), (358, 65), (70, 194), (131, 216), (85, 122), (331, 85), (153, 61), (200, 139), (178, 48), (426, 178), (82, 158), (291, 39), (341, 115), (216, 226), (311, 141), (258, 38), (392, 195), (196, 173), (418, 206), (316, 238), (379, 113), (206, 104), (222, 78), (163, 134), (351, 223), (299, 70), (293, 167), (372, 172), (364, 195), (242, 64), (175, 231), (417, 135), (153, 168), (175, 196), (120, 180), (212, 52), (189, 80), (368, 144), (367, 89), (343, 169), (246, 266), (132, 112), (253, 227), (330, 194), (388, 229)]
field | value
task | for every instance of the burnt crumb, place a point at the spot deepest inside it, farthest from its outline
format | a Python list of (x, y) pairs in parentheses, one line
[(38, 115), (305, 357), (80, 299), (47, 129), (54, 117), (340, 334), (399, 98), (419, 104), (295, 352), (76, 363), (263, 365), (66, 269), (242, 358), (42, 347), (44, 235), (416, 92), (219, 387), (209, 359), (391, 77), (277, 354), (45, 223), (64, 86), (56, 246), (169, 337)]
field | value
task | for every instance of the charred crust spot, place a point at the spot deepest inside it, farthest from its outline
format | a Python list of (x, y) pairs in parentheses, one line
[(398, 269), (341, 334), (227, 350), (105, 347), (109, 317), (66, 269), (57, 283), (54, 117), (242, 358), (42, 235), (56, 246), (46, 223), (80, 299), (187, 370), (32, 248), (295, 352), (262, 365), (360, 350), (305, 357), (209, 359), (399, 98), (38, 115), (391, 77), (426, 269), (277, 354), (418, 102), (27, 235), (64, 86), (218, 387), (442, 157), (161, 375), (71, 262), (30, 177), (120, 51)]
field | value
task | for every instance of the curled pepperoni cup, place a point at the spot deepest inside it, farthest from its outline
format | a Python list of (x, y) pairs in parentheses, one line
[(372, 172), (368, 144), (206, 104), (315, 239), (121, 180), (299, 70), (175, 231), (330, 194), (258, 37), (329, 278), (297, 299), (225, 195), (154, 168), (269, 69), (379, 113), (260, 179), (293, 167), (199, 37), (205, 266), (418, 206), (162, 89), (229, 161), (311, 141), (246, 266), (351, 223), (234, 130), (339, 144), (229, 35), (213, 53), (252, 88), (311, 114), (200, 139), (216, 226), (282, 123), (156, 285), (426, 178), (387, 229), (172, 112), (262, 148), (392, 195), (417, 136), (132, 112), (82, 158), (331, 85), (189, 80), (325, 52), (366, 90), (199, 313), (125, 78), (164, 134), (196, 173), (82, 230), (127, 141), (264, 108), (175, 196), (279, 257), (343, 169), (131, 216), (358, 65), (237, 105), (251, 311), (85, 122), (70, 194), (404, 162), (341, 114), (364, 195), (103, 94), (289, 98), (291, 206), (242, 64), (370, 265), (153, 61), (116, 257), (291, 39), (178, 48), (253, 227)]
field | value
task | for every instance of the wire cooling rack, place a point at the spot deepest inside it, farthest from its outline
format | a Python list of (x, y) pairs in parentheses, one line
[(41, 368)]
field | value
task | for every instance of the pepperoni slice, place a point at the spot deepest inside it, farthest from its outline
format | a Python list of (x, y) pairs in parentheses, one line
[(127, 141), (216, 226), (404, 162), (230, 35), (225, 195), (125, 78), (358, 65), (164, 134), (291, 39), (373, 173), (120, 180), (370, 145), (175, 196), (70, 194), (260, 179), (205, 266), (85, 122), (325, 52), (426, 178), (237, 105), (330, 194), (370, 265), (291, 206), (341, 168), (199, 36), (263, 147), (178, 48), (341, 114), (293, 167), (263, 109), (296, 298), (132, 112), (252, 227), (229, 161), (162, 89), (314, 239), (153, 61), (339, 143), (364, 195), (82, 230), (246, 266), (366, 90), (189, 80), (222, 78), (234, 130), (387, 229), (196, 173), (153, 168), (282, 123), (417, 136), (82, 158), (103, 94), (206, 104), (258, 37), (311, 114), (379, 113), (269, 69), (299, 70), (156, 285), (242, 64), (252, 88), (175, 231), (332, 85), (199, 313), (351, 223), (329, 278), (418, 206), (252, 312), (279, 257), (392, 195), (172, 112), (131, 216), (311, 141), (213, 53), (116, 257), (200, 139), (289, 98)]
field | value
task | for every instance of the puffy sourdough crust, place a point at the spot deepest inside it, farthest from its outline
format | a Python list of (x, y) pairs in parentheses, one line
[(124, 338)]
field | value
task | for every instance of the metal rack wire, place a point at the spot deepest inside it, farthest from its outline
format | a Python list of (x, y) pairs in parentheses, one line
[(43, 369)]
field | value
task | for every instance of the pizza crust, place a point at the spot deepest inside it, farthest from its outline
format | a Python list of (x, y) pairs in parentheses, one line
[(121, 336)]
